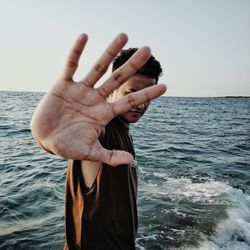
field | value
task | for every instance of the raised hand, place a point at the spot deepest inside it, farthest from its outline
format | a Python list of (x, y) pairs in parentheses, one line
[(69, 119)]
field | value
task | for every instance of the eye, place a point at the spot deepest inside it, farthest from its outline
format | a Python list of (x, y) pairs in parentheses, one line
[(129, 91)]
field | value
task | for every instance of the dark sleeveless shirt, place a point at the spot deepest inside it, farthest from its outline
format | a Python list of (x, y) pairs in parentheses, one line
[(104, 217)]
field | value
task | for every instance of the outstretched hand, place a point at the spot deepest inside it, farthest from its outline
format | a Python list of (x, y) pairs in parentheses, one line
[(69, 119)]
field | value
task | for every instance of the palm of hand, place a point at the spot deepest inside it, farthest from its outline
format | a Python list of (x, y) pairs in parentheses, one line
[(75, 112)]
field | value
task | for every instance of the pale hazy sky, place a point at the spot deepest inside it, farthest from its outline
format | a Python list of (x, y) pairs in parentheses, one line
[(203, 45)]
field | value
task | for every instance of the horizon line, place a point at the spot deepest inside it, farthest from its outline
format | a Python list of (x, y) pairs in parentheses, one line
[(219, 96)]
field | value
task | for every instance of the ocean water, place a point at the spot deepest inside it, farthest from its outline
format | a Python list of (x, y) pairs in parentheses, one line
[(194, 176)]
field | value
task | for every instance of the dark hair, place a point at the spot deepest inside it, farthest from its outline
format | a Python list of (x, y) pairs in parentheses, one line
[(151, 69)]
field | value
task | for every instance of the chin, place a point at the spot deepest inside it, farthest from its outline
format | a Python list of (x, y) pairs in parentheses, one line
[(134, 120), (130, 119)]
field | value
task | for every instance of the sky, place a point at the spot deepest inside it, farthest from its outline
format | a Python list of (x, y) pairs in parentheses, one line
[(203, 45)]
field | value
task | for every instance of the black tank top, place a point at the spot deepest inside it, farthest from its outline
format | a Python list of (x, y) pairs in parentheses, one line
[(104, 217)]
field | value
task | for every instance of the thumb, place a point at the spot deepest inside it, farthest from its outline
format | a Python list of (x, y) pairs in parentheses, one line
[(116, 157)]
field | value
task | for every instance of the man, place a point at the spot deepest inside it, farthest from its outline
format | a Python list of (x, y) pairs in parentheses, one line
[(90, 126)]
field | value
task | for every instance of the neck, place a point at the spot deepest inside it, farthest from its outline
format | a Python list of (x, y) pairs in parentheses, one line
[(124, 122)]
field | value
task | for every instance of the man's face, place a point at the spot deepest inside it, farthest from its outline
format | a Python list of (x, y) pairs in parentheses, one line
[(135, 83)]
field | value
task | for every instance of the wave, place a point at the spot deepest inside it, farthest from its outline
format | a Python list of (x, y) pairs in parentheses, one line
[(232, 233), (211, 215)]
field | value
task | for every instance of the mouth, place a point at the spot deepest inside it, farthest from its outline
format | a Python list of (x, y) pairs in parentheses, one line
[(139, 112)]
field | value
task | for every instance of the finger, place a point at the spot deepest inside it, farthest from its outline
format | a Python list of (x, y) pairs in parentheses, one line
[(110, 157), (135, 99), (123, 73), (73, 57), (102, 64), (116, 157)]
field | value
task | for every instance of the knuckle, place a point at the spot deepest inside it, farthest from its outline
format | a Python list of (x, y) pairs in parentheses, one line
[(131, 100), (72, 64), (77, 52), (117, 77), (100, 69), (132, 65), (112, 55), (103, 91)]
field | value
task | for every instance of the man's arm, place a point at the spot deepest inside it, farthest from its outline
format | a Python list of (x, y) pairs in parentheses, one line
[(71, 116), (90, 170)]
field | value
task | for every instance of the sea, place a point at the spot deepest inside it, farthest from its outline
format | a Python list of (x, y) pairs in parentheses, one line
[(194, 176)]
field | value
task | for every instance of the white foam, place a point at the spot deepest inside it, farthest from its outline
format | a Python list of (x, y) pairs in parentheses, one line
[(183, 188), (207, 192), (232, 233)]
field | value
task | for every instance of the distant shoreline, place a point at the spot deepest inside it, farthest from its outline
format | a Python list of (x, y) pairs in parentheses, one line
[(235, 96)]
